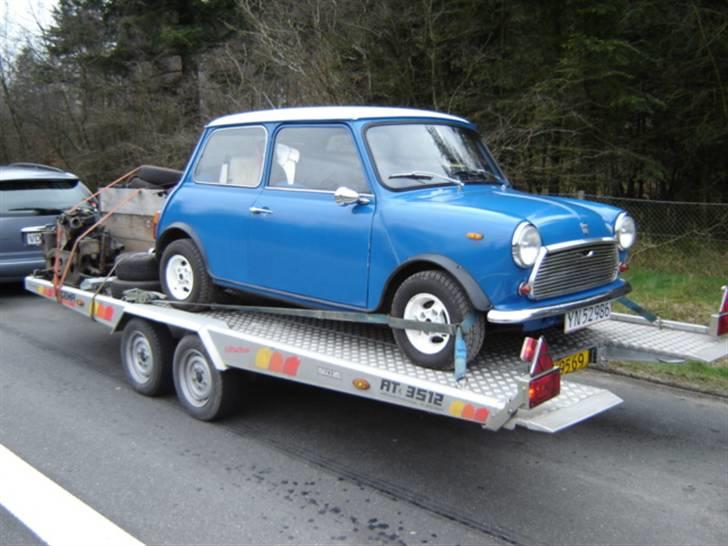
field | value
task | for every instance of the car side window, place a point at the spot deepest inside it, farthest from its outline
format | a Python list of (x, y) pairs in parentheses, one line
[(233, 156), (316, 158)]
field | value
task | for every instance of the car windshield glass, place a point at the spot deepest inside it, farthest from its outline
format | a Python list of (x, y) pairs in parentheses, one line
[(38, 197), (414, 155)]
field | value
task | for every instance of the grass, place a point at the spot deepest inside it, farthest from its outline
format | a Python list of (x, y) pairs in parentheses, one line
[(679, 281)]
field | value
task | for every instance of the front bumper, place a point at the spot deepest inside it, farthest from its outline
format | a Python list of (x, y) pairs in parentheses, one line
[(518, 316)]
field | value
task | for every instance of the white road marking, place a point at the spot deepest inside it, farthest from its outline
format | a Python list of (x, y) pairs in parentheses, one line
[(52, 513)]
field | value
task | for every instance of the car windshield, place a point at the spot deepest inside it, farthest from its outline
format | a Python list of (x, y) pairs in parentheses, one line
[(413, 155), (39, 197)]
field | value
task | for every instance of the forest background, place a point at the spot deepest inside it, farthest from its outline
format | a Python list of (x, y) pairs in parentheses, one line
[(627, 98)]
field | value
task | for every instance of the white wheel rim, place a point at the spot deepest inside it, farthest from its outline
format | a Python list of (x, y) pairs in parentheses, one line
[(139, 359), (179, 277), (427, 308), (195, 378)]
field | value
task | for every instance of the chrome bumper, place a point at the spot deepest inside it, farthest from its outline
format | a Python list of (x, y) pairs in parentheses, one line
[(518, 316)]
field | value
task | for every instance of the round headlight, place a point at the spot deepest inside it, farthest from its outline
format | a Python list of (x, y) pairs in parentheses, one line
[(625, 231), (525, 245)]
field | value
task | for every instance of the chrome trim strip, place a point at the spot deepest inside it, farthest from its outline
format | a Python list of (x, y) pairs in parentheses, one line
[(517, 316), (304, 190)]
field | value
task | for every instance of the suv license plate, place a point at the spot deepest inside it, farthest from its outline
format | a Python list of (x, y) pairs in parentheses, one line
[(586, 316), (33, 239)]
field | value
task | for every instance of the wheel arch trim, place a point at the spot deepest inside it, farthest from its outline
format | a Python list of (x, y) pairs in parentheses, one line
[(475, 293)]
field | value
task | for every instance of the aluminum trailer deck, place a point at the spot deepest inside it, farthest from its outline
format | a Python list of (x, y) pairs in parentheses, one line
[(363, 360)]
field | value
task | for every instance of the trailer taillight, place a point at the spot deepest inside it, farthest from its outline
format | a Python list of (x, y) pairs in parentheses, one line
[(545, 382), (723, 313), (545, 387)]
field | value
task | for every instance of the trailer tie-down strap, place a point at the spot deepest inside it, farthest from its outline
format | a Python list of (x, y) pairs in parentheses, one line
[(637, 308), (458, 330)]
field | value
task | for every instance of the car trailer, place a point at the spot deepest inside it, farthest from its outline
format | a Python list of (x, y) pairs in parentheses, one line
[(513, 383)]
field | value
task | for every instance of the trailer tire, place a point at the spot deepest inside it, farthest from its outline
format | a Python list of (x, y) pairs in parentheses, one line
[(204, 392), (137, 266), (184, 277), (435, 296), (146, 355)]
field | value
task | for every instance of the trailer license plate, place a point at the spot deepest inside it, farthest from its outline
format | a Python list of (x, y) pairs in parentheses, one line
[(586, 316), (573, 362), (33, 239)]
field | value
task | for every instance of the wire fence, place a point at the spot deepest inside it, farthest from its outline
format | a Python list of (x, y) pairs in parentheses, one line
[(671, 219)]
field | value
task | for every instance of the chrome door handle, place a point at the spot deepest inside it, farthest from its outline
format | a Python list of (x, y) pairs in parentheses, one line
[(259, 210)]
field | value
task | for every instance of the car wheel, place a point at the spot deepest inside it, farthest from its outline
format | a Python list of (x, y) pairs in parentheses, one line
[(205, 392), (434, 296), (184, 276), (146, 354), (137, 266)]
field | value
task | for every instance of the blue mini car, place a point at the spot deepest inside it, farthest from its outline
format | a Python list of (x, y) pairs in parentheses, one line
[(389, 210)]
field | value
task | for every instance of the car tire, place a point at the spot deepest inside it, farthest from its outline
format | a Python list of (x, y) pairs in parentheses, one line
[(435, 296), (159, 176), (184, 277), (147, 349), (204, 392), (118, 287), (137, 266)]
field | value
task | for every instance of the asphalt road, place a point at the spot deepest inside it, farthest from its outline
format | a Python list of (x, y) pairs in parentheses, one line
[(301, 465)]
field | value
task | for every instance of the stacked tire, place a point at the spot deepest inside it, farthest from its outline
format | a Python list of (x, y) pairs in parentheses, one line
[(136, 270)]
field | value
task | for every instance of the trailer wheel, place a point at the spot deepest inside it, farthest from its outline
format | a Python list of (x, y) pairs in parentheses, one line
[(205, 392), (146, 354)]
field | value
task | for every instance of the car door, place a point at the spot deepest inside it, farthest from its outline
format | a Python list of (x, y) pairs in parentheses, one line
[(226, 180), (301, 242)]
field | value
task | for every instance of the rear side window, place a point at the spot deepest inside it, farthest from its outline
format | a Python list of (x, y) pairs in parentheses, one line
[(23, 197), (233, 156), (316, 158)]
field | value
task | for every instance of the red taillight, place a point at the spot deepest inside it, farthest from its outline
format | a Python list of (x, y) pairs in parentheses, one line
[(723, 313), (545, 381), (545, 387)]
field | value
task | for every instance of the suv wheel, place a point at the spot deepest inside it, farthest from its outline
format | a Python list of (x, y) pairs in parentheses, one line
[(434, 296), (184, 276)]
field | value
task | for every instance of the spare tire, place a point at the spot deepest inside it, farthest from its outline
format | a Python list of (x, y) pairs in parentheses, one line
[(159, 176), (137, 266), (118, 287)]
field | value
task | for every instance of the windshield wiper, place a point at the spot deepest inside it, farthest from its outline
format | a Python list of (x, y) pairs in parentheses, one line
[(426, 175), (480, 174), (39, 210)]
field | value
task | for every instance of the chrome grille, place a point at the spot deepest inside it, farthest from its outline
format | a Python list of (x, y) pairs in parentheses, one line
[(573, 269)]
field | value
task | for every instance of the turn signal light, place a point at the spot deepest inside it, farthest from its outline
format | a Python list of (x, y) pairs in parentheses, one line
[(155, 223), (623, 266), (524, 289)]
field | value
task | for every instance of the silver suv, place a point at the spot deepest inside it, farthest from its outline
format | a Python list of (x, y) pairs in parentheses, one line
[(31, 195)]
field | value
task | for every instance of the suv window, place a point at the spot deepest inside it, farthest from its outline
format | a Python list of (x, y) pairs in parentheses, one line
[(21, 197), (316, 158), (233, 156)]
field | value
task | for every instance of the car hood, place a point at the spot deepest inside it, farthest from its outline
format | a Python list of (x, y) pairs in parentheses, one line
[(557, 219)]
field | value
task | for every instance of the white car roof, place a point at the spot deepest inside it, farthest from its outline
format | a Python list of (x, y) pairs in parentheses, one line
[(329, 113)]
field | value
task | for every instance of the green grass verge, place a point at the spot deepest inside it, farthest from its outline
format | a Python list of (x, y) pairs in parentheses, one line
[(679, 281)]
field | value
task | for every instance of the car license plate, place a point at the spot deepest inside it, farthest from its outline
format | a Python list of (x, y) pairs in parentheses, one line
[(586, 316), (573, 362), (33, 239)]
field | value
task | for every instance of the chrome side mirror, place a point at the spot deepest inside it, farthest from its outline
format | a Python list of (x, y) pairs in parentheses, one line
[(346, 196)]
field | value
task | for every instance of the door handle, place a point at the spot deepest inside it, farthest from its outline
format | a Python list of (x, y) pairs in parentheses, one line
[(259, 210)]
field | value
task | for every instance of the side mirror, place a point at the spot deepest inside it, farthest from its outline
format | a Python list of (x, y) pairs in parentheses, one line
[(346, 196)]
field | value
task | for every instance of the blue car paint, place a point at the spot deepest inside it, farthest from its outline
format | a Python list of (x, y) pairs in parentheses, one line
[(289, 262)]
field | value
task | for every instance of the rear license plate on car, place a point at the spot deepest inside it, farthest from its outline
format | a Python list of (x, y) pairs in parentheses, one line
[(586, 316), (575, 361), (33, 239)]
